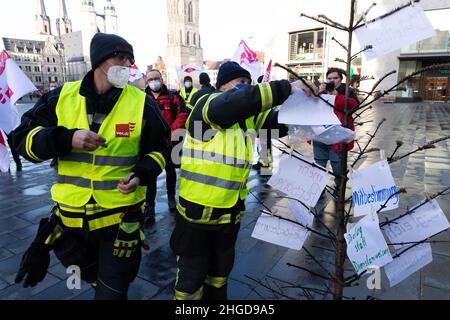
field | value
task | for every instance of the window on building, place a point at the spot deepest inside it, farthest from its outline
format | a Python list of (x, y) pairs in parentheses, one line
[(46, 29), (187, 38), (54, 69), (306, 45), (67, 30), (181, 37), (48, 59), (190, 12), (49, 79), (194, 40), (56, 79), (54, 60), (48, 69)]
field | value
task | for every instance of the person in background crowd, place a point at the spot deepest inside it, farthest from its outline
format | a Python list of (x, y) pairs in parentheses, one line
[(187, 91), (205, 82)]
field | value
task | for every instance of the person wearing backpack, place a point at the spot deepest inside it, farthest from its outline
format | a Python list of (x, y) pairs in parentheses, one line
[(173, 109)]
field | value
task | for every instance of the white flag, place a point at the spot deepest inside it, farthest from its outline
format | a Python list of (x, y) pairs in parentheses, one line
[(4, 155), (14, 84), (247, 59)]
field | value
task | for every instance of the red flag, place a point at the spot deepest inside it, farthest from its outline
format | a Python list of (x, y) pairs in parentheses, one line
[(14, 84), (248, 60), (4, 155), (268, 72)]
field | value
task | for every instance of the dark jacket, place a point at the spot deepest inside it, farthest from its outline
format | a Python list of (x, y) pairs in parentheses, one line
[(352, 94), (56, 141), (171, 106), (206, 89)]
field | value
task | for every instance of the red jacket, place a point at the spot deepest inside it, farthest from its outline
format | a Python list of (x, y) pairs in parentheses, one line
[(339, 110), (174, 111)]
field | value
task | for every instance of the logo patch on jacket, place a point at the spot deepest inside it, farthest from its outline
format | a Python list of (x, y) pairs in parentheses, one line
[(122, 130)]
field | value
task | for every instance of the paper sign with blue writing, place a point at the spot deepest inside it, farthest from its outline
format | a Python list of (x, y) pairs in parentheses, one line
[(332, 134), (366, 246), (301, 213), (398, 30), (299, 180), (373, 186), (280, 232), (302, 110), (407, 263), (422, 223)]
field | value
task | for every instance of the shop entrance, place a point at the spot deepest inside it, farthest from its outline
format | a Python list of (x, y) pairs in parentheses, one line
[(436, 88)]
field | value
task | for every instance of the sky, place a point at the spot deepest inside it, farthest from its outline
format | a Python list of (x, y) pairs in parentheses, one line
[(223, 23)]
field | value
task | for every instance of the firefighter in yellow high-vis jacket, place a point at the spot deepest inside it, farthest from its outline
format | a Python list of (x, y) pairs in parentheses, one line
[(110, 140), (216, 162)]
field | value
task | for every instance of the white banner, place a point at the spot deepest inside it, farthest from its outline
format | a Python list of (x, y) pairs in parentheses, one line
[(372, 186), (396, 31), (366, 247), (4, 154), (422, 223), (299, 180), (280, 232), (300, 109), (14, 84), (409, 262), (247, 59)]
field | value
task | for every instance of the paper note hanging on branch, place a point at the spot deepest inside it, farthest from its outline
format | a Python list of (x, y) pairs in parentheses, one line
[(398, 30), (280, 232), (407, 263), (331, 134), (299, 180), (420, 224), (373, 185), (366, 247), (302, 110), (301, 213)]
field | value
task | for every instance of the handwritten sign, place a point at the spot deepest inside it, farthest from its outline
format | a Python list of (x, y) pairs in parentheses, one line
[(422, 223), (299, 180), (366, 247), (407, 263), (395, 31), (372, 186), (307, 111), (280, 232), (301, 213)]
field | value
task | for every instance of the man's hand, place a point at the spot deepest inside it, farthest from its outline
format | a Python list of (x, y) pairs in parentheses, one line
[(323, 89), (297, 85), (128, 184), (87, 140)]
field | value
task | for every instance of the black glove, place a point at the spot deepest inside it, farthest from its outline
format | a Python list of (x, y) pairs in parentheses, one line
[(36, 259)]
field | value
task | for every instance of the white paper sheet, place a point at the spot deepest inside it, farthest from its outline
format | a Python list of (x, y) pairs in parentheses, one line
[(408, 263), (366, 247), (299, 180), (301, 213), (307, 111), (372, 186), (280, 232), (395, 31), (421, 224)]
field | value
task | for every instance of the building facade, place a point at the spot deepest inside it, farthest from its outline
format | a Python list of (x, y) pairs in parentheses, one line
[(308, 47), (183, 38)]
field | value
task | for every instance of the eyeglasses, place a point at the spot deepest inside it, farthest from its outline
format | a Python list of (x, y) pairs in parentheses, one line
[(122, 57)]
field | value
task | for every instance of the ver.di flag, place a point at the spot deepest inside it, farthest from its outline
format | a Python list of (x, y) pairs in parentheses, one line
[(14, 84), (268, 72), (248, 60)]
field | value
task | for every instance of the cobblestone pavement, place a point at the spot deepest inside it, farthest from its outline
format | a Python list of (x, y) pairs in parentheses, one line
[(25, 199)]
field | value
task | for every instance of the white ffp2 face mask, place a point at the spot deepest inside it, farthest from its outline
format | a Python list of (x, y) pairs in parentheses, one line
[(188, 84), (119, 76), (155, 85)]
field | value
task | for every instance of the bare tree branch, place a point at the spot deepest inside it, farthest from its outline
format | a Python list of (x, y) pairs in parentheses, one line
[(365, 13), (339, 43), (429, 145), (368, 143), (323, 21), (322, 16)]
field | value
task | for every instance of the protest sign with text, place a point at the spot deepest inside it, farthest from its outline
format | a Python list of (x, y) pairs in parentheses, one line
[(366, 246), (373, 186), (301, 213), (280, 232), (299, 180)]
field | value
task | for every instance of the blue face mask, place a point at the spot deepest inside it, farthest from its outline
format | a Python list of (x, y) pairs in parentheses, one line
[(240, 86)]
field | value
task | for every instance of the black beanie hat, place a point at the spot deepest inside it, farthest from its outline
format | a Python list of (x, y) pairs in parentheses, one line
[(204, 78), (187, 78), (105, 46), (229, 71)]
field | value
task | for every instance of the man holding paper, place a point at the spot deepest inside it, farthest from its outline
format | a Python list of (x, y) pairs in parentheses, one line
[(216, 162)]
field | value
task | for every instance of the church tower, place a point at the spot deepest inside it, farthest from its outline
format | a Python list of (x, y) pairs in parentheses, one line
[(110, 18), (89, 25), (42, 20), (63, 24), (183, 38)]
